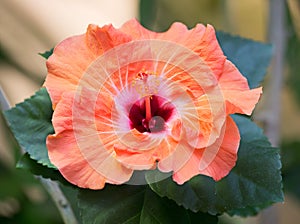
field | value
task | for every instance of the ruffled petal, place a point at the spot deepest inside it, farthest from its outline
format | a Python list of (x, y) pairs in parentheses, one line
[(175, 161), (238, 97), (179, 33), (210, 51), (136, 30), (201, 40), (66, 65), (71, 58), (66, 156), (75, 156), (152, 149), (141, 160), (135, 160), (101, 39), (210, 119), (215, 161)]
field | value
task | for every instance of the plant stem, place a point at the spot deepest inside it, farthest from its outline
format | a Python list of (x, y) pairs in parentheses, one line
[(50, 186), (277, 36), (59, 199), (4, 104)]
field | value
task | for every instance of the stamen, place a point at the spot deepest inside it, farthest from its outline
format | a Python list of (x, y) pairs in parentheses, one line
[(146, 84)]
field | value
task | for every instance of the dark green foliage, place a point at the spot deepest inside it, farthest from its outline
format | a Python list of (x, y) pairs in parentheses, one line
[(134, 204), (30, 123)]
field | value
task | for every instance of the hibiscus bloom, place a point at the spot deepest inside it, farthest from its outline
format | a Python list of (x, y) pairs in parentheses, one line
[(131, 99)]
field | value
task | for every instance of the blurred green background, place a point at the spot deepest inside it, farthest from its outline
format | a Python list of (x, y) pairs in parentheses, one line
[(30, 26)]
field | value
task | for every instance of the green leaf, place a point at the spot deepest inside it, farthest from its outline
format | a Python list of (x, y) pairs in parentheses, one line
[(292, 58), (250, 57), (30, 122), (148, 11), (248, 210), (27, 163), (113, 204), (47, 54), (163, 210), (134, 204), (291, 167), (255, 181)]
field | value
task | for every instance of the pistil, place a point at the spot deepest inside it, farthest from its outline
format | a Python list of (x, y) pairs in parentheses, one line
[(148, 108), (150, 114)]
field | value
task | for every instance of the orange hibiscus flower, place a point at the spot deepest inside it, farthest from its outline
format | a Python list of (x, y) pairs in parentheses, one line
[(131, 99)]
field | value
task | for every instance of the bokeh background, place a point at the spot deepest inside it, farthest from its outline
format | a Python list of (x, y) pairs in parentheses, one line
[(29, 27)]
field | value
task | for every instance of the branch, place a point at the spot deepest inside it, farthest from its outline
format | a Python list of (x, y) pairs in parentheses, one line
[(277, 36), (50, 186)]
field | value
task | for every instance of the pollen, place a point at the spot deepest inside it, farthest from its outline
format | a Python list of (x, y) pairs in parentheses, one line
[(146, 83)]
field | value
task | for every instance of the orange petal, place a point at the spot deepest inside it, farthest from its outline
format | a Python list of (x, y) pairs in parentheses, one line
[(231, 78), (66, 65), (220, 157), (79, 159), (140, 141), (239, 98), (205, 126), (147, 149), (95, 142), (179, 33), (135, 160), (180, 154), (241, 102), (144, 159), (176, 131), (202, 40), (71, 58), (136, 30), (142, 150), (101, 39), (210, 50), (66, 156)]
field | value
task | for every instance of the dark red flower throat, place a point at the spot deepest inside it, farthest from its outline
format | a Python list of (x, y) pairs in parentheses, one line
[(150, 113)]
